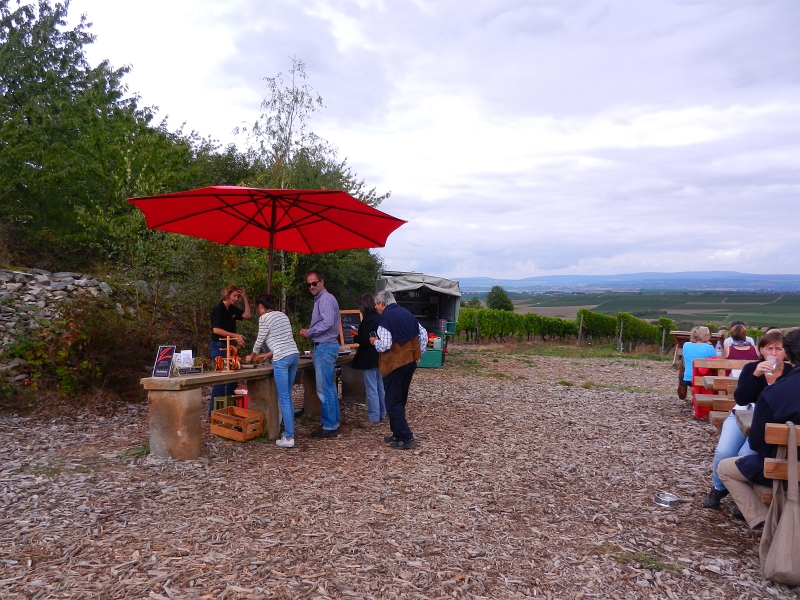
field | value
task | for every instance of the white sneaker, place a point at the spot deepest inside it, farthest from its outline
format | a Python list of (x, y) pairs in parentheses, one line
[(284, 443)]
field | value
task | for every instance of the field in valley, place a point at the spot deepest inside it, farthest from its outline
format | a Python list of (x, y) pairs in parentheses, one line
[(757, 310)]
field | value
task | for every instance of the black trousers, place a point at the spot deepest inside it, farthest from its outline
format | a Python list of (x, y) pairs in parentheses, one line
[(396, 385)]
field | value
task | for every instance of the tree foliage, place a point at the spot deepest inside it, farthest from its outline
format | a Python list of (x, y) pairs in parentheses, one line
[(498, 299)]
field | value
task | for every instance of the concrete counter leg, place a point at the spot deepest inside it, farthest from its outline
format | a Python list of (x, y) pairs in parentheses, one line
[(263, 397), (175, 424), (312, 407), (353, 384)]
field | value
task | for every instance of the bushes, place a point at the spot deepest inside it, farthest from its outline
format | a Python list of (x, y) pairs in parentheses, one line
[(92, 348), (493, 324), (638, 331), (597, 325)]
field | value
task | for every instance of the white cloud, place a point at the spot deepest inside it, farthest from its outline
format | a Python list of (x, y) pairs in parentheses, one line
[(518, 138)]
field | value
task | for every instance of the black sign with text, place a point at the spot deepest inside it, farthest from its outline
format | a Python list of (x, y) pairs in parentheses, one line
[(163, 365)]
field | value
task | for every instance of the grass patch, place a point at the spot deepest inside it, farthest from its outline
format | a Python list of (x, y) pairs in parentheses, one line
[(572, 351), (136, 452), (566, 383), (590, 385), (643, 560), (495, 374)]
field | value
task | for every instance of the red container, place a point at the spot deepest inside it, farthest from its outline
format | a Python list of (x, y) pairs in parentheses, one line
[(241, 397)]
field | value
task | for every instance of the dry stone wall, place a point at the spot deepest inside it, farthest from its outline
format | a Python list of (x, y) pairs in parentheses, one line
[(28, 298)]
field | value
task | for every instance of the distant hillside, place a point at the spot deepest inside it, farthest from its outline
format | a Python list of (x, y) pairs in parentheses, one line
[(691, 280)]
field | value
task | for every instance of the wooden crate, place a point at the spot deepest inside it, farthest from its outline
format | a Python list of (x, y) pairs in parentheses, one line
[(221, 402), (237, 423)]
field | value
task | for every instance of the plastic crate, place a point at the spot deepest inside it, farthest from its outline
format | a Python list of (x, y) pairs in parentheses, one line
[(236, 423), (432, 359)]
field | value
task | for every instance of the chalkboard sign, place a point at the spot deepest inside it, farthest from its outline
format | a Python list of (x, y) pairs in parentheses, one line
[(163, 365), (349, 320)]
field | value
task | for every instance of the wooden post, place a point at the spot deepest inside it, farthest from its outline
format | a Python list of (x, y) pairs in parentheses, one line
[(619, 341), (663, 339), (580, 331)]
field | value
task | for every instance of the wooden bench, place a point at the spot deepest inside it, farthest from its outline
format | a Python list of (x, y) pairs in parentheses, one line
[(776, 468), (721, 402), (175, 403)]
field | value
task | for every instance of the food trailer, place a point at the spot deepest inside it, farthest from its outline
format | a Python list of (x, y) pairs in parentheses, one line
[(434, 301)]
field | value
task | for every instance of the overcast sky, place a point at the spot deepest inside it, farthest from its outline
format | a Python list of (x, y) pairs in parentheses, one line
[(518, 138)]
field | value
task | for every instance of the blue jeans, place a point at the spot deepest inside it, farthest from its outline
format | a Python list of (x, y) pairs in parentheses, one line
[(324, 361), (225, 389), (376, 397), (284, 373), (731, 443)]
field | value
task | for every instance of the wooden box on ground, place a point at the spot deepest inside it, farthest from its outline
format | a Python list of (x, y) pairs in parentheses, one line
[(221, 402), (236, 423)]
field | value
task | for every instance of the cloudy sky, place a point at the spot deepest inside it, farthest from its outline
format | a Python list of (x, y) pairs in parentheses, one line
[(517, 137)]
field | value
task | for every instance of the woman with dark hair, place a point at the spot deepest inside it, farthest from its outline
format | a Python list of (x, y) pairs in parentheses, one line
[(275, 331), (776, 404), (741, 348), (223, 324), (754, 379), (366, 359)]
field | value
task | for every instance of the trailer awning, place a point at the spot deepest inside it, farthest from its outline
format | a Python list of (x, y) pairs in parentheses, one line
[(415, 281)]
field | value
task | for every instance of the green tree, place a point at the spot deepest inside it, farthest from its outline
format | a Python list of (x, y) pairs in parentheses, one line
[(498, 299), (294, 157)]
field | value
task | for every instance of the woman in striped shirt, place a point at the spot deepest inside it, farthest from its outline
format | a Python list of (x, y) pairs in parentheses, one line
[(275, 332)]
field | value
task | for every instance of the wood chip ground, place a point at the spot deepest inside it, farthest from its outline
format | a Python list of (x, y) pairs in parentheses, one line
[(522, 486)]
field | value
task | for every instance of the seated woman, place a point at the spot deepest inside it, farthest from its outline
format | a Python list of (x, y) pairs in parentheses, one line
[(275, 331), (741, 348), (754, 379), (696, 347), (776, 404)]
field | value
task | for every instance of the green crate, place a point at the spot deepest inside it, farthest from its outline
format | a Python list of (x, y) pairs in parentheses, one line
[(432, 359)]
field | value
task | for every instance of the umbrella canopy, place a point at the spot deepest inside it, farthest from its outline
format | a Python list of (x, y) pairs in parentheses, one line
[(305, 221)]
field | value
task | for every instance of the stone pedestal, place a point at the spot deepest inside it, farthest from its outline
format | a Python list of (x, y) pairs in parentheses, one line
[(312, 407), (353, 389), (175, 423), (263, 397)]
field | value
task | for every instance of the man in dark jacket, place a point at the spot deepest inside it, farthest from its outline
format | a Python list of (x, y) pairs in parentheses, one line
[(401, 341), (779, 403)]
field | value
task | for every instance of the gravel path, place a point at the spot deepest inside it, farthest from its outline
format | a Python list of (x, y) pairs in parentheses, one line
[(533, 477)]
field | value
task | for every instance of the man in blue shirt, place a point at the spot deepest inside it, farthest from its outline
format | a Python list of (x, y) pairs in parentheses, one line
[(324, 332)]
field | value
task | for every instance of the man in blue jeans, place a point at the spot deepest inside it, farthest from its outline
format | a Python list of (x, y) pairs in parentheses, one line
[(223, 324), (324, 332)]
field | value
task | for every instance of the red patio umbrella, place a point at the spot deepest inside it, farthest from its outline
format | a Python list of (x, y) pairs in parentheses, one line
[(305, 221)]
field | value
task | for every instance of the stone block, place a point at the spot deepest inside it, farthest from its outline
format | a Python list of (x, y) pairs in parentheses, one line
[(67, 275), (57, 286), (105, 287), (175, 430)]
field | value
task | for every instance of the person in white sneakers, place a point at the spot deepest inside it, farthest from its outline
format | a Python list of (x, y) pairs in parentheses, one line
[(275, 332)]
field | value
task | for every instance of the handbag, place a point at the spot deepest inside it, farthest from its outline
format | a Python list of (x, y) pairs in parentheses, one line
[(780, 542)]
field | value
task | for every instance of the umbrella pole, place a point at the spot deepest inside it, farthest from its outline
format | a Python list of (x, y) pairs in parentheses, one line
[(269, 269), (271, 246)]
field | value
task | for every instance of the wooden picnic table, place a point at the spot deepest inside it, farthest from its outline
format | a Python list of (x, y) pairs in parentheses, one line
[(719, 383), (744, 418), (175, 403)]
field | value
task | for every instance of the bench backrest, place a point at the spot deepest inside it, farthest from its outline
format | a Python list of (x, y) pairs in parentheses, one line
[(775, 468), (719, 363)]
